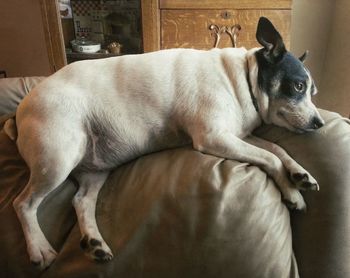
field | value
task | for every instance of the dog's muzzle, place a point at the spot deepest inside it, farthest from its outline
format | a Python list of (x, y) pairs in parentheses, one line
[(316, 123)]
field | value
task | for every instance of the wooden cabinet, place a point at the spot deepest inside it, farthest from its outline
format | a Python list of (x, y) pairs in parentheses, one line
[(101, 21), (185, 23), (203, 24)]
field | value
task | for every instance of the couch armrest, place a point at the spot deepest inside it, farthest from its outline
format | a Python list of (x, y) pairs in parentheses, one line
[(321, 236), (13, 90)]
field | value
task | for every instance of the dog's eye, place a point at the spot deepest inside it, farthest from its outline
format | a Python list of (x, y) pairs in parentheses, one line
[(299, 87)]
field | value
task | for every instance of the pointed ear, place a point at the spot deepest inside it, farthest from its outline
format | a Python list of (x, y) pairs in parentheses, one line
[(304, 56), (270, 39)]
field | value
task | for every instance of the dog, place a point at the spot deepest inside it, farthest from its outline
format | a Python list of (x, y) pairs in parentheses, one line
[(92, 116)]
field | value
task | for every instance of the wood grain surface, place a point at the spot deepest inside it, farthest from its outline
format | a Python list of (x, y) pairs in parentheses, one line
[(225, 4), (53, 34), (150, 25), (190, 28)]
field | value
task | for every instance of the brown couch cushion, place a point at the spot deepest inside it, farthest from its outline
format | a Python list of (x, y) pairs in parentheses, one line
[(321, 237), (176, 213), (13, 90)]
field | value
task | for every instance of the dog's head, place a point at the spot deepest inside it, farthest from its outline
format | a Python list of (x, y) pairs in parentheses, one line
[(284, 83)]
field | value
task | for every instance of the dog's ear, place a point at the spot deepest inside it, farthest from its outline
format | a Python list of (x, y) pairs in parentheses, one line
[(304, 56), (270, 39)]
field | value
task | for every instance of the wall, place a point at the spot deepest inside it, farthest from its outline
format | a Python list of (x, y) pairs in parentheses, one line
[(22, 44), (311, 23), (335, 86), (321, 27)]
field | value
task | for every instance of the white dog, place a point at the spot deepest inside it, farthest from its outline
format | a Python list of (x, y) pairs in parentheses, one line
[(92, 116)]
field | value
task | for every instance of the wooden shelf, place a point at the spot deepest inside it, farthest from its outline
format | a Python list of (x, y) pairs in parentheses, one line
[(75, 56)]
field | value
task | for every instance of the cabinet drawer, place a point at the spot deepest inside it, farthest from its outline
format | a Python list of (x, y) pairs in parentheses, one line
[(190, 28), (225, 4)]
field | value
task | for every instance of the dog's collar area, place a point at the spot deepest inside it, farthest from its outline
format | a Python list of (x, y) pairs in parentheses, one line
[(254, 100)]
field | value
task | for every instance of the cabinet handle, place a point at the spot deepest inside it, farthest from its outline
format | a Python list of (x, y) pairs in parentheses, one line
[(232, 31)]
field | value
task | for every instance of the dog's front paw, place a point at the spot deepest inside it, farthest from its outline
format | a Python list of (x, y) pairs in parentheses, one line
[(294, 200), (41, 257), (303, 181), (96, 249)]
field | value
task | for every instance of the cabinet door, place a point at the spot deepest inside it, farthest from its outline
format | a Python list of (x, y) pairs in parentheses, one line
[(190, 28)]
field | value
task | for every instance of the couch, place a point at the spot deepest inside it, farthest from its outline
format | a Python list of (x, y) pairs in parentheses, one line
[(181, 213)]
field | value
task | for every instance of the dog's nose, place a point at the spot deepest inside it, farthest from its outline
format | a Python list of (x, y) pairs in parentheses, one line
[(317, 123)]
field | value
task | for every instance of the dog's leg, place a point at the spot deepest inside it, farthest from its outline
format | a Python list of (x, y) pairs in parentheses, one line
[(227, 145), (299, 176), (84, 203), (50, 158), (26, 205)]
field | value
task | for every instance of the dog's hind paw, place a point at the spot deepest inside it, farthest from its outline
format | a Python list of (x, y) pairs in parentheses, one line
[(96, 249), (42, 258), (304, 181)]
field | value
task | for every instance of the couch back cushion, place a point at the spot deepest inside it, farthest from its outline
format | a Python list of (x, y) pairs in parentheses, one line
[(13, 90)]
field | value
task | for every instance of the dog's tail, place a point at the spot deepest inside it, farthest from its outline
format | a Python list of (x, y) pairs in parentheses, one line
[(11, 129)]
